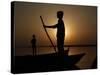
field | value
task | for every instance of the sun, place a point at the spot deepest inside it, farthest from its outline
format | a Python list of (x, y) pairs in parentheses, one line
[(53, 33), (66, 33)]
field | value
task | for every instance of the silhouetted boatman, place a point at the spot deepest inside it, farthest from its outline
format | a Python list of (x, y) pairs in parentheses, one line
[(33, 41), (60, 33)]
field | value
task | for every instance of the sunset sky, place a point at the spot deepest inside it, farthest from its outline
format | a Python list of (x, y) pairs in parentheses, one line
[(80, 23)]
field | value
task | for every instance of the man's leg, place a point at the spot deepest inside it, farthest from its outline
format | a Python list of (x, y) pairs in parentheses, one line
[(60, 46), (35, 50)]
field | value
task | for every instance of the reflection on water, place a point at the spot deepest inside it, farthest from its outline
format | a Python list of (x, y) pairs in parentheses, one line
[(85, 62)]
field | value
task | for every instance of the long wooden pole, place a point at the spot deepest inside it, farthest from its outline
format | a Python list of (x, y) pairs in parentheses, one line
[(47, 34)]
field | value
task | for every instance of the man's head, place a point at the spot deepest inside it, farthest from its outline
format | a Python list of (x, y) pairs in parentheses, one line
[(60, 14), (33, 36)]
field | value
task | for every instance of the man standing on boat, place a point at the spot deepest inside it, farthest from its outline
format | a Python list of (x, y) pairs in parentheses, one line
[(60, 33), (33, 41)]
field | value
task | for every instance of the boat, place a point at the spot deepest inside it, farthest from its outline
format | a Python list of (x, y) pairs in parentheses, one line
[(46, 62)]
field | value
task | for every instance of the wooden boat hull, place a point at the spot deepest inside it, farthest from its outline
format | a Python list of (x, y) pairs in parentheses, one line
[(45, 63)]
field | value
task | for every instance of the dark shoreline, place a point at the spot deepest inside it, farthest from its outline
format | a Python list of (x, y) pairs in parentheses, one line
[(77, 45)]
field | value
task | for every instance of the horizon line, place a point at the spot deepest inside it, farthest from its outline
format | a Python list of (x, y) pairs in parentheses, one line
[(77, 45)]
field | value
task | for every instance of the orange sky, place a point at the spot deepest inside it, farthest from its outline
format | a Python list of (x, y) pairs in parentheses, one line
[(80, 23)]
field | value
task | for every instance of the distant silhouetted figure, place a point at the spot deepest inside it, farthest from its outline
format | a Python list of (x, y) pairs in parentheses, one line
[(60, 33), (33, 41)]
